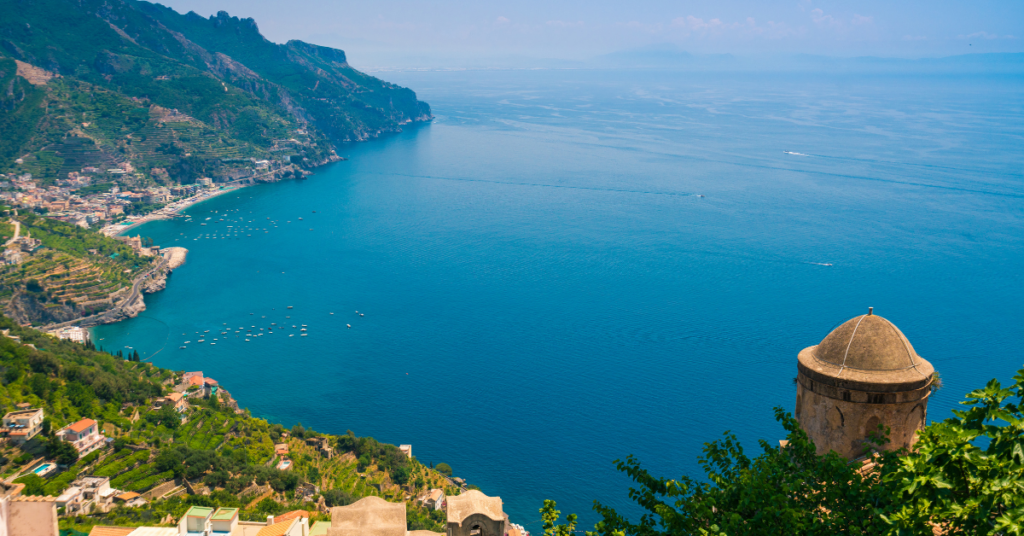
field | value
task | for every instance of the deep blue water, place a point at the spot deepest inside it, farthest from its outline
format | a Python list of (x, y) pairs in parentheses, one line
[(545, 290)]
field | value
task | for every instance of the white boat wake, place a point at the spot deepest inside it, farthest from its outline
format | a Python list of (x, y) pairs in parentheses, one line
[(795, 154)]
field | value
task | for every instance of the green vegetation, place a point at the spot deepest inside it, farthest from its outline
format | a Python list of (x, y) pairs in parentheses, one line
[(964, 476), (21, 110), (215, 449), (141, 83), (76, 269)]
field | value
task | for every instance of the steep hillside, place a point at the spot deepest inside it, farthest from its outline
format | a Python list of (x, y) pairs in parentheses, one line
[(69, 273), (206, 453), (110, 74)]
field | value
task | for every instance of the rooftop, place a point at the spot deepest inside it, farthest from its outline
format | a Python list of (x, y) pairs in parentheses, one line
[(199, 511), (277, 529), (225, 514), (22, 413), (869, 352), (81, 425), (319, 528), (369, 516), (99, 530), (294, 514), (473, 502)]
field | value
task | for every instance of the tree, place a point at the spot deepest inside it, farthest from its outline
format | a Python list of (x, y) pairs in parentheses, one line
[(46, 428), (337, 497), (298, 431), (966, 472), (62, 451), (347, 442), (965, 475), (400, 475), (444, 469)]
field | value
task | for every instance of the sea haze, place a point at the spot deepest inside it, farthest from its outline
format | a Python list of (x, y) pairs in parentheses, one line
[(568, 267)]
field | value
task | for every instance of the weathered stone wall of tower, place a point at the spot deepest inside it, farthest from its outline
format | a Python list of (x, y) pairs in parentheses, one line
[(841, 419), (477, 525)]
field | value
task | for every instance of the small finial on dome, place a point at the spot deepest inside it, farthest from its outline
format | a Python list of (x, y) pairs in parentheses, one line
[(871, 311)]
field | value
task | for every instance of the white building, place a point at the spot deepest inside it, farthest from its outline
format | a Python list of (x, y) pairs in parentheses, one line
[(73, 333), (21, 426), (84, 435)]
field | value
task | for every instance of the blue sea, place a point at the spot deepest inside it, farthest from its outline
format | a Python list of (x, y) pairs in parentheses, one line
[(568, 267)]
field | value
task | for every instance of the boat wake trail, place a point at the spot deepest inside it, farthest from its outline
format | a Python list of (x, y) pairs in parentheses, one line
[(795, 154), (819, 263)]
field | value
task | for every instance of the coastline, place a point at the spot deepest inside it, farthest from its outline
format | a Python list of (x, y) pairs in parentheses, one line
[(168, 211)]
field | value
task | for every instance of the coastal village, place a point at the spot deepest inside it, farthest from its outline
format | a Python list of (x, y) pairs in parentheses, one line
[(113, 467), (119, 198)]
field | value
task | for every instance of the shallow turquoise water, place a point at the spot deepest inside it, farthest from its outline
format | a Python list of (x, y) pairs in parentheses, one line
[(545, 290)]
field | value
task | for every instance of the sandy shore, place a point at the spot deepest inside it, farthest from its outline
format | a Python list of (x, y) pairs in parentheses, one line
[(164, 213)]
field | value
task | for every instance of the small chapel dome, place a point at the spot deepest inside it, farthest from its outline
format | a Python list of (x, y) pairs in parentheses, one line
[(867, 352)]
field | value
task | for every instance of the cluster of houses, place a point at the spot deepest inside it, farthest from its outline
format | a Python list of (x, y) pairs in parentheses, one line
[(23, 424), (62, 201), (469, 514)]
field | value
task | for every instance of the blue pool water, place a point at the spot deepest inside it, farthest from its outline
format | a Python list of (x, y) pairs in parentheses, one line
[(42, 469), (545, 290)]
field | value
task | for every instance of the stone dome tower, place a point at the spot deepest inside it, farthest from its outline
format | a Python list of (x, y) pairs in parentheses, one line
[(863, 374)]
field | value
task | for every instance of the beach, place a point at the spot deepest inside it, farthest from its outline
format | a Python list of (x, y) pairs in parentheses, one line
[(169, 211)]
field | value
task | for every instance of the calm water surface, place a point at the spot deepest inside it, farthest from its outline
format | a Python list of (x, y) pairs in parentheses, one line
[(568, 267)]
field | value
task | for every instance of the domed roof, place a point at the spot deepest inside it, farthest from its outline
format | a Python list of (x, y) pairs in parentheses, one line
[(870, 353)]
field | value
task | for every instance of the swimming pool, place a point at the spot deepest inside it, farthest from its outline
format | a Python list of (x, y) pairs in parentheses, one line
[(45, 468)]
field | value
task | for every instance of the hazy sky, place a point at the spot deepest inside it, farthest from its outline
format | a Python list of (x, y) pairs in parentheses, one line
[(397, 30)]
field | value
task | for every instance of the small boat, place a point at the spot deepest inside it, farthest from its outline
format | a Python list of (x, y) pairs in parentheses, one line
[(349, 326), (289, 306), (303, 334), (303, 329), (246, 340), (291, 334), (332, 313), (188, 342), (361, 314), (213, 344), (181, 347)]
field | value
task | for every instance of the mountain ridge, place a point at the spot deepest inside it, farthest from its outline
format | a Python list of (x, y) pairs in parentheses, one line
[(220, 71)]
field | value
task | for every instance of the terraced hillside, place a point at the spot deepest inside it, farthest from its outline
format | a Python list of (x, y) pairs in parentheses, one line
[(74, 272)]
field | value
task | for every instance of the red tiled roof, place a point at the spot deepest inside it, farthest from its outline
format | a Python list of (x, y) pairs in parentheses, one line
[(277, 529), (196, 380), (82, 425), (210, 381), (291, 515)]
